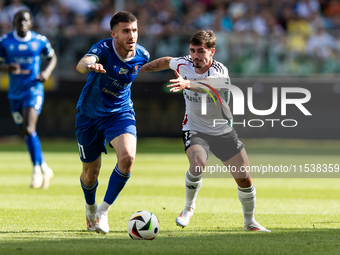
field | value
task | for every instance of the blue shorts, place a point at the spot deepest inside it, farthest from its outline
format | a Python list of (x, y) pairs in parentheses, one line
[(92, 134), (30, 100)]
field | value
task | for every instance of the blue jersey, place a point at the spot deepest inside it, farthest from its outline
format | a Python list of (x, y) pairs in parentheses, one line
[(107, 93), (25, 52)]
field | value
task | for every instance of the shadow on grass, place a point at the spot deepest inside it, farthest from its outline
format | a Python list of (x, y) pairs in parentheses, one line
[(186, 241)]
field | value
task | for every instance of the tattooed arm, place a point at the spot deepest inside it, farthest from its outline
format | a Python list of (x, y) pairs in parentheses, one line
[(156, 65)]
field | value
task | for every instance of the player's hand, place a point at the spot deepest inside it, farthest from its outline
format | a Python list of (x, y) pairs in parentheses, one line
[(14, 68), (43, 76), (96, 67), (179, 83)]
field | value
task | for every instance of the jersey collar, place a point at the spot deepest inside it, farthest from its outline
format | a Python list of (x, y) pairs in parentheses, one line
[(22, 39), (122, 59)]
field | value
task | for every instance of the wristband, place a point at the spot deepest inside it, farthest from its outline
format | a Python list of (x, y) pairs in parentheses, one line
[(87, 65)]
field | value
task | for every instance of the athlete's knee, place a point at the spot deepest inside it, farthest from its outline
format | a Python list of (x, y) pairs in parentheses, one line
[(198, 159), (125, 162), (26, 129), (197, 165)]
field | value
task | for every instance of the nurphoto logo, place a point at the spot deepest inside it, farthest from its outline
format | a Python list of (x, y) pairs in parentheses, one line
[(239, 103)]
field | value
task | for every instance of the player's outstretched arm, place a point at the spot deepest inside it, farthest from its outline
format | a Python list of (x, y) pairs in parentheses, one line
[(88, 63), (156, 65), (208, 83)]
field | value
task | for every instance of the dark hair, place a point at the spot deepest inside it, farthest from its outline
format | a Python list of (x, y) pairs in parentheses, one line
[(204, 37), (122, 16), (21, 12)]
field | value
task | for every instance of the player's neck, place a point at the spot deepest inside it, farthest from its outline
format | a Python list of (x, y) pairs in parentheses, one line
[(23, 37), (122, 52), (22, 34), (202, 70)]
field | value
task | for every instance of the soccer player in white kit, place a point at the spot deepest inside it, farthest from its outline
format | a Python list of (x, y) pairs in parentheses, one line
[(198, 133)]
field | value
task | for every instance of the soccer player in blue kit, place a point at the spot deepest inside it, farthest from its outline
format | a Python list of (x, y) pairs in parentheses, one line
[(21, 51), (105, 113)]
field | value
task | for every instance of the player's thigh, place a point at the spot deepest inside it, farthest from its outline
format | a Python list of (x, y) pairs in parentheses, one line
[(225, 146), (32, 105), (125, 146), (239, 164), (197, 150), (35, 101), (120, 131), (91, 140), (30, 119), (197, 154)]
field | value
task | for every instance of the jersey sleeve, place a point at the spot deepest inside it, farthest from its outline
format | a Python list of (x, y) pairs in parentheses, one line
[(145, 53), (47, 49), (98, 51), (175, 62)]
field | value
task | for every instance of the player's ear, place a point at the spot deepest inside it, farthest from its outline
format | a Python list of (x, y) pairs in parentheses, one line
[(113, 33), (212, 51)]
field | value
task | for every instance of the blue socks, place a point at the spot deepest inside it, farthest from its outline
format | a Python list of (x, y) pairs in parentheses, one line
[(89, 192), (34, 148), (116, 184)]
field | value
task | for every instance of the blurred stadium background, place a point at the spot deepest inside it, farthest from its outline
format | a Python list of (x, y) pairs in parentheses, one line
[(263, 43)]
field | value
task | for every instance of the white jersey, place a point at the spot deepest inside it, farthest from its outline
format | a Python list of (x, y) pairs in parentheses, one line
[(217, 108)]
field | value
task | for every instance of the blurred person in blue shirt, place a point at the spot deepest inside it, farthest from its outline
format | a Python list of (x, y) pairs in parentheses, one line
[(20, 52)]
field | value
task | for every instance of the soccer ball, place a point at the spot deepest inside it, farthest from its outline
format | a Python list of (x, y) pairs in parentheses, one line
[(143, 225)]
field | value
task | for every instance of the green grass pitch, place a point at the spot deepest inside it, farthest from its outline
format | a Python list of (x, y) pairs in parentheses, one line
[(303, 214)]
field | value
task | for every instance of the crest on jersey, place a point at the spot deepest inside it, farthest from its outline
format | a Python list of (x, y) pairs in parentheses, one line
[(135, 71), (123, 71), (34, 46)]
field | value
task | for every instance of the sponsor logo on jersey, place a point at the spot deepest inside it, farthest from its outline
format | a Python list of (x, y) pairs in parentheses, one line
[(22, 47), (11, 47), (115, 83), (135, 71), (23, 60), (197, 98), (105, 90), (123, 71)]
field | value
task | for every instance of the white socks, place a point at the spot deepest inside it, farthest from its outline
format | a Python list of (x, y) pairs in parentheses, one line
[(104, 207), (91, 208), (36, 169), (192, 187), (44, 167), (247, 197)]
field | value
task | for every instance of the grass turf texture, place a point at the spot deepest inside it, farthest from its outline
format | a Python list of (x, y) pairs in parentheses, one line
[(303, 214)]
